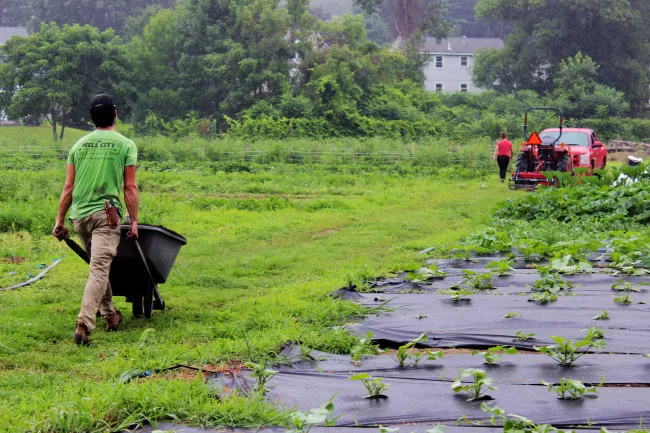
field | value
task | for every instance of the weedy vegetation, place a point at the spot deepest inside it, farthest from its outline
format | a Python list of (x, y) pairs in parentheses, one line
[(511, 315), (364, 348), (262, 375)]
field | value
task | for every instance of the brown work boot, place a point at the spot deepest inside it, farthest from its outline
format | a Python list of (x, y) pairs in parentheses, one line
[(81, 335), (113, 322)]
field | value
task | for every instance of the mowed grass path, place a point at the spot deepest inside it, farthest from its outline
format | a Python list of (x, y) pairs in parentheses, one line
[(264, 251)]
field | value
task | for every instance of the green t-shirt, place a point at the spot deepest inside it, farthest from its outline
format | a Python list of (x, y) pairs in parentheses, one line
[(99, 160)]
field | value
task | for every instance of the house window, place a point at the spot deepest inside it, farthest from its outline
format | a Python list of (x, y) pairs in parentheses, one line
[(438, 87), (439, 63), (464, 87), (439, 41), (464, 61)]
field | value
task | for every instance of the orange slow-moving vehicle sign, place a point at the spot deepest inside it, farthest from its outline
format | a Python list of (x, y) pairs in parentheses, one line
[(534, 139)]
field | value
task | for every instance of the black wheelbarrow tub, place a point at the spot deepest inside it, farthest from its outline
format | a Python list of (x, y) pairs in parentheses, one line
[(159, 245)]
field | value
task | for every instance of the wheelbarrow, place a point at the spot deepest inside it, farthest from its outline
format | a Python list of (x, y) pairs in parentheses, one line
[(140, 265)]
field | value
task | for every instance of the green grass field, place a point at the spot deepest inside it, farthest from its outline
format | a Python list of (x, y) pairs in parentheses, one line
[(264, 251)]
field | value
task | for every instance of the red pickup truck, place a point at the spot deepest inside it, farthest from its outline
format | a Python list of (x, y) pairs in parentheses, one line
[(585, 149)]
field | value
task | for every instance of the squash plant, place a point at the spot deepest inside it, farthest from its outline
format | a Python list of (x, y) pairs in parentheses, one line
[(516, 423), (565, 352), (476, 280), (502, 267), (494, 355), (542, 297), (569, 389), (403, 356), (551, 282), (376, 387), (303, 422), (478, 388), (522, 336)]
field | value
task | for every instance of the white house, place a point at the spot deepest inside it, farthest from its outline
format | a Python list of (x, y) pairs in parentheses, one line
[(7, 32), (450, 69)]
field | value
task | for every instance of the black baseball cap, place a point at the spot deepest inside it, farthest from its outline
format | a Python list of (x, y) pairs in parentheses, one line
[(101, 104)]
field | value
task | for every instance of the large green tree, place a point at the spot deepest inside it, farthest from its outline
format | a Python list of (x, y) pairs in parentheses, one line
[(409, 18), (614, 33), (56, 71), (102, 14), (214, 57)]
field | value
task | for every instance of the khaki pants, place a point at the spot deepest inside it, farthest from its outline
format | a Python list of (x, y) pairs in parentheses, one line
[(98, 295)]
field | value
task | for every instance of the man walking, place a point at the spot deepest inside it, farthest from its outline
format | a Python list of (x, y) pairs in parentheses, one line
[(99, 166)]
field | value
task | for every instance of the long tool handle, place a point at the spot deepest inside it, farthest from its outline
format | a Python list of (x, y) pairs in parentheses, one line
[(77, 249), (156, 293)]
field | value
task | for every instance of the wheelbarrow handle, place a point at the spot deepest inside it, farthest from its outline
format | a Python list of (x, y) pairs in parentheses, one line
[(77, 249), (138, 248)]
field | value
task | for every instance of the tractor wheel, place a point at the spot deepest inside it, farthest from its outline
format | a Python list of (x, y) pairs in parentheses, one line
[(563, 164), (522, 163)]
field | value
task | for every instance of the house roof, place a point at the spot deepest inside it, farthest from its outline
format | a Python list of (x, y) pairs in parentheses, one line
[(7, 32), (460, 45)]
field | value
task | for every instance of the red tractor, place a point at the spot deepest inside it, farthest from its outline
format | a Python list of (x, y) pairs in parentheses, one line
[(560, 149)]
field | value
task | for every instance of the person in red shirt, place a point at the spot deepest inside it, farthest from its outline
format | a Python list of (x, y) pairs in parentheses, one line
[(503, 155)]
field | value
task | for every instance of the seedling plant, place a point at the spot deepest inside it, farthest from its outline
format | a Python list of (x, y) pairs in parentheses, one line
[(624, 286), (551, 282), (517, 424), (477, 280), (478, 388), (532, 250), (627, 264), (402, 357), (542, 297), (570, 265), (511, 315), (623, 300), (426, 274), (569, 389), (494, 355), (566, 352), (376, 387), (303, 422), (522, 336), (502, 267), (458, 295), (603, 316)]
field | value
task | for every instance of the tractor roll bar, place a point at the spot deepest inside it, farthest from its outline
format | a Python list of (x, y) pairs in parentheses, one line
[(557, 110)]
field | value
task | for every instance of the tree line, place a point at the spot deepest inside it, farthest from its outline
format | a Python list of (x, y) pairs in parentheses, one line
[(229, 61)]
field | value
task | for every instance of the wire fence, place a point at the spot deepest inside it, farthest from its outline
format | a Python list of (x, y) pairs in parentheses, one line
[(449, 154)]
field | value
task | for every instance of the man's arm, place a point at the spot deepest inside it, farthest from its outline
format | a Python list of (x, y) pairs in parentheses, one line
[(131, 198), (64, 203)]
